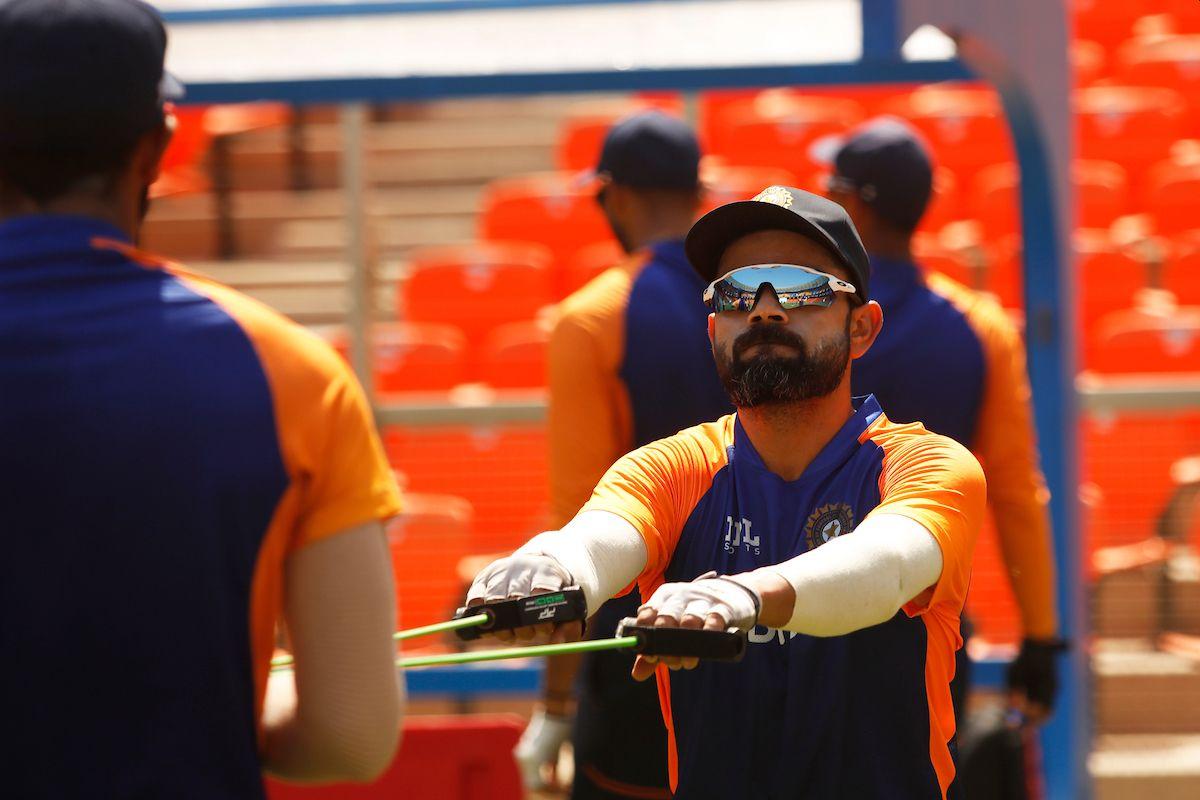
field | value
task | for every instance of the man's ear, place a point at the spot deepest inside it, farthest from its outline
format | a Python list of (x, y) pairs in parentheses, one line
[(865, 324), (712, 331), (152, 147)]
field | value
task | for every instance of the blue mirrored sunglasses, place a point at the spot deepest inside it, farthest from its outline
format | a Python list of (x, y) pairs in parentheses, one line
[(794, 286)]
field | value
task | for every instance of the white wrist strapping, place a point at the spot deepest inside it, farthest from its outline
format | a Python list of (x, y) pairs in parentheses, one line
[(602, 552), (861, 579)]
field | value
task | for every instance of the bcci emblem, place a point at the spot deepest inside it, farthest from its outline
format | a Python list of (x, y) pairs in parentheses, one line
[(828, 522), (777, 195)]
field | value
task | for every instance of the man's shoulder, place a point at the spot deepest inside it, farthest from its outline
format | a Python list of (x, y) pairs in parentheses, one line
[(604, 296), (288, 350), (981, 310), (705, 443), (913, 441)]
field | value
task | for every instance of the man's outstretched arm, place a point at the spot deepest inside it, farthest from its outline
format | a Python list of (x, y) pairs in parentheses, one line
[(597, 551)]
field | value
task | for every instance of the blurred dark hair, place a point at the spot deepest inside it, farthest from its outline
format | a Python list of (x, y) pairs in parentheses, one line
[(45, 171)]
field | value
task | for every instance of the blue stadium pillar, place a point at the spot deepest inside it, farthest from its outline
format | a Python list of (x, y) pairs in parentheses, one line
[(880, 30), (1050, 337)]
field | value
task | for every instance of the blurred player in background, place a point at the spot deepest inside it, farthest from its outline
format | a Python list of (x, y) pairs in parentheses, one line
[(953, 359), (841, 541), (630, 363), (180, 468)]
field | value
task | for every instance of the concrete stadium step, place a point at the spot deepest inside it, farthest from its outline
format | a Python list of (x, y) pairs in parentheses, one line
[(270, 168), (1144, 589), (1142, 767), (1126, 595), (1139, 689), (305, 240), (320, 203)]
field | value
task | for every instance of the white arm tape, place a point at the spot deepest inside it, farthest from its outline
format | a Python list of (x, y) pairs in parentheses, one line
[(602, 551), (861, 579)]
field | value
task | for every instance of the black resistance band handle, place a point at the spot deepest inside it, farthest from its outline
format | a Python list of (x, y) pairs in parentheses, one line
[(566, 605), (727, 645)]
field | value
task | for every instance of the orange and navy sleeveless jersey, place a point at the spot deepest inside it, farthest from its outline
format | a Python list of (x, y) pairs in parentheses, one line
[(864, 715), (630, 363), (167, 443), (952, 359)]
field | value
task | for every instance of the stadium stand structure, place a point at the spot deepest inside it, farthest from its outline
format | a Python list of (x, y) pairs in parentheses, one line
[(476, 177)]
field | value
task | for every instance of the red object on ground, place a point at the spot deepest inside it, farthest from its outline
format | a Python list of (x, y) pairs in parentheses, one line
[(440, 758)]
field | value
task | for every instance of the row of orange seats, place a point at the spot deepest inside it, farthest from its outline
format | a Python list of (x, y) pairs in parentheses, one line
[(481, 313), (435, 357), (1126, 463), (1126, 134), (1113, 24), (499, 470)]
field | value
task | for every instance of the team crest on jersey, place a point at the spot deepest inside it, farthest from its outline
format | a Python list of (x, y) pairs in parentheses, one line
[(776, 195), (828, 522)]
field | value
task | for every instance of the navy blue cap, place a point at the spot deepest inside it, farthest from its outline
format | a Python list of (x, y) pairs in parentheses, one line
[(71, 69), (781, 208), (651, 150), (888, 165)]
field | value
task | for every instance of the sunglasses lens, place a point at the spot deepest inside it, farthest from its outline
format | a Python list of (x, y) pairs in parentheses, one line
[(793, 286), (782, 278)]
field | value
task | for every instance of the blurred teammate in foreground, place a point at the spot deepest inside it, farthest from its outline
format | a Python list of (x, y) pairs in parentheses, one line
[(629, 363), (843, 542), (180, 467), (941, 334)]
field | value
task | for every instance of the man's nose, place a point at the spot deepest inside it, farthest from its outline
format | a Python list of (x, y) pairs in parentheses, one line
[(768, 309)]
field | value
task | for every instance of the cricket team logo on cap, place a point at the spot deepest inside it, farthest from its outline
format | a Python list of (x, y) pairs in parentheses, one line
[(828, 522), (777, 195)]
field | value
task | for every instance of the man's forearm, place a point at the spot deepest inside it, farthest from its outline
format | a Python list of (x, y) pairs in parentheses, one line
[(558, 684), (603, 553), (851, 582)]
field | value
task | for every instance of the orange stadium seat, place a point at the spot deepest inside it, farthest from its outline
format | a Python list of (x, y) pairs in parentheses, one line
[(181, 169), (426, 543), (1107, 278), (551, 209), (476, 287), (1101, 192), (1128, 459), (1171, 196), (1158, 338), (776, 128), (500, 471), (724, 183), (716, 106), (946, 204), (1181, 270), (1169, 61), (582, 133), (514, 356), (461, 757), (1107, 22), (590, 262), (964, 124), (410, 356), (932, 256), (1089, 61), (1133, 126), (987, 265)]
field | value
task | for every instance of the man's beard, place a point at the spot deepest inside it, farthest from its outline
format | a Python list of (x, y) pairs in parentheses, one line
[(619, 233), (768, 379)]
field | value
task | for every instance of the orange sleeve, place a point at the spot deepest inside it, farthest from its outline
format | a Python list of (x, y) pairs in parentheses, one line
[(936, 482), (1006, 446), (656, 488), (589, 421), (331, 449), (338, 475)]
